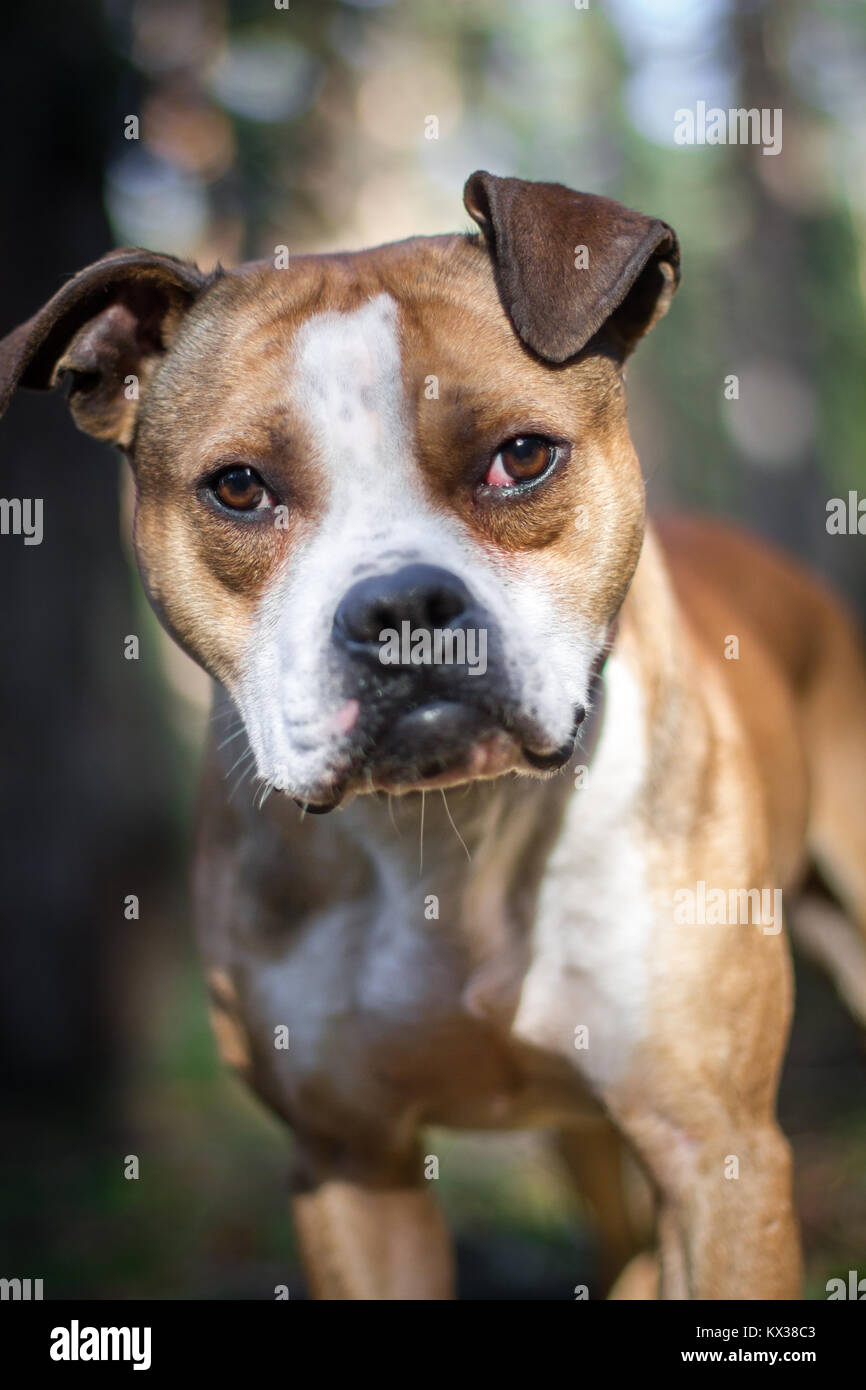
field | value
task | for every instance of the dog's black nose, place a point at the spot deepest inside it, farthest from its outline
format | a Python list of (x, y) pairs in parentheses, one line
[(425, 596)]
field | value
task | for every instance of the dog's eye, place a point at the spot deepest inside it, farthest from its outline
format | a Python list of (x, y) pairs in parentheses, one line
[(240, 489), (521, 460)]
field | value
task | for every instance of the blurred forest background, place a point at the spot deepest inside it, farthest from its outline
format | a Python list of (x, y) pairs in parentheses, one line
[(305, 126)]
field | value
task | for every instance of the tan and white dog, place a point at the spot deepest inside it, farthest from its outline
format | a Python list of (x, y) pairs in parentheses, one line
[(430, 438)]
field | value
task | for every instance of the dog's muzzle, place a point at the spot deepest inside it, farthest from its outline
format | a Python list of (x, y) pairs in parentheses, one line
[(424, 662)]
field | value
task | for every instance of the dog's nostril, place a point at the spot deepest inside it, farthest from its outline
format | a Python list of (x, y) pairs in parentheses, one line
[(380, 618), (425, 596), (444, 605)]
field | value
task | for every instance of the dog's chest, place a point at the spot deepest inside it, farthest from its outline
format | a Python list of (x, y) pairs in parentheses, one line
[(393, 1015), (465, 992)]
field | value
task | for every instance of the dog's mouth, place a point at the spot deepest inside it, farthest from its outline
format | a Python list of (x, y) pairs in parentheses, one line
[(441, 744)]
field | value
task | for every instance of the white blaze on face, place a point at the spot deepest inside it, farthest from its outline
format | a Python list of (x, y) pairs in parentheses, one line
[(348, 387), (345, 382)]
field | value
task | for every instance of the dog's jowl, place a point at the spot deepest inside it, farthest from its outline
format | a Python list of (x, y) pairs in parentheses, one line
[(390, 588)]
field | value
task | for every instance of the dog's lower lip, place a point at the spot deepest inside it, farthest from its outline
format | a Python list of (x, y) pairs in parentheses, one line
[(441, 743), (551, 762), (318, 808), (442, 724)]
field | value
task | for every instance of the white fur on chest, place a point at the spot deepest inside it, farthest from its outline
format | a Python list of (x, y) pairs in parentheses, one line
[(592, 937)]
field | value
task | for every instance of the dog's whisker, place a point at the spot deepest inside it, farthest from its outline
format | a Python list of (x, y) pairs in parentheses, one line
[(267, 788), (453, 826), (246, 762), (247, 753), (248, 772), (391, 814), (237, 733), (217, 714)]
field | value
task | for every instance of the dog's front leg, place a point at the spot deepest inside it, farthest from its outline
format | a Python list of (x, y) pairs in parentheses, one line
[(698, 1105), (363, 1241), (680, 1031), (726, 1228)]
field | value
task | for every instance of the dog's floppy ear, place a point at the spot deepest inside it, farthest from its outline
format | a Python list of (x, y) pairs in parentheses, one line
[(569, 263), (103, 330)]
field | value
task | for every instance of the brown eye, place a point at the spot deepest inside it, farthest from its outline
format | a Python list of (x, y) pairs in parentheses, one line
[(240, 488), (521, 460)]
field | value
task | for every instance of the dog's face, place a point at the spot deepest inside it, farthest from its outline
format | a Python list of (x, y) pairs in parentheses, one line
[(389, 500)]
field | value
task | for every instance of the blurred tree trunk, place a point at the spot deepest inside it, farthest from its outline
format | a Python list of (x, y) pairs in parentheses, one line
[(797, 259), (82, 817)]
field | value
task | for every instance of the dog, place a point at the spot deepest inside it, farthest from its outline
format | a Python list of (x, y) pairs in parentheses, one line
[(428, 442)]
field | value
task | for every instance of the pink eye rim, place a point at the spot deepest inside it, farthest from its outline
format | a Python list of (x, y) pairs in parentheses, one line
[(523, 461)]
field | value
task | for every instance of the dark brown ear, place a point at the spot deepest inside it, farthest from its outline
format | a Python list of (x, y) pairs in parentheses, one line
[(568, 264), (103, 329)]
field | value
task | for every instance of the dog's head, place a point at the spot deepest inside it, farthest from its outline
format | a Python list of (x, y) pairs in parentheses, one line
[(388, 499)]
